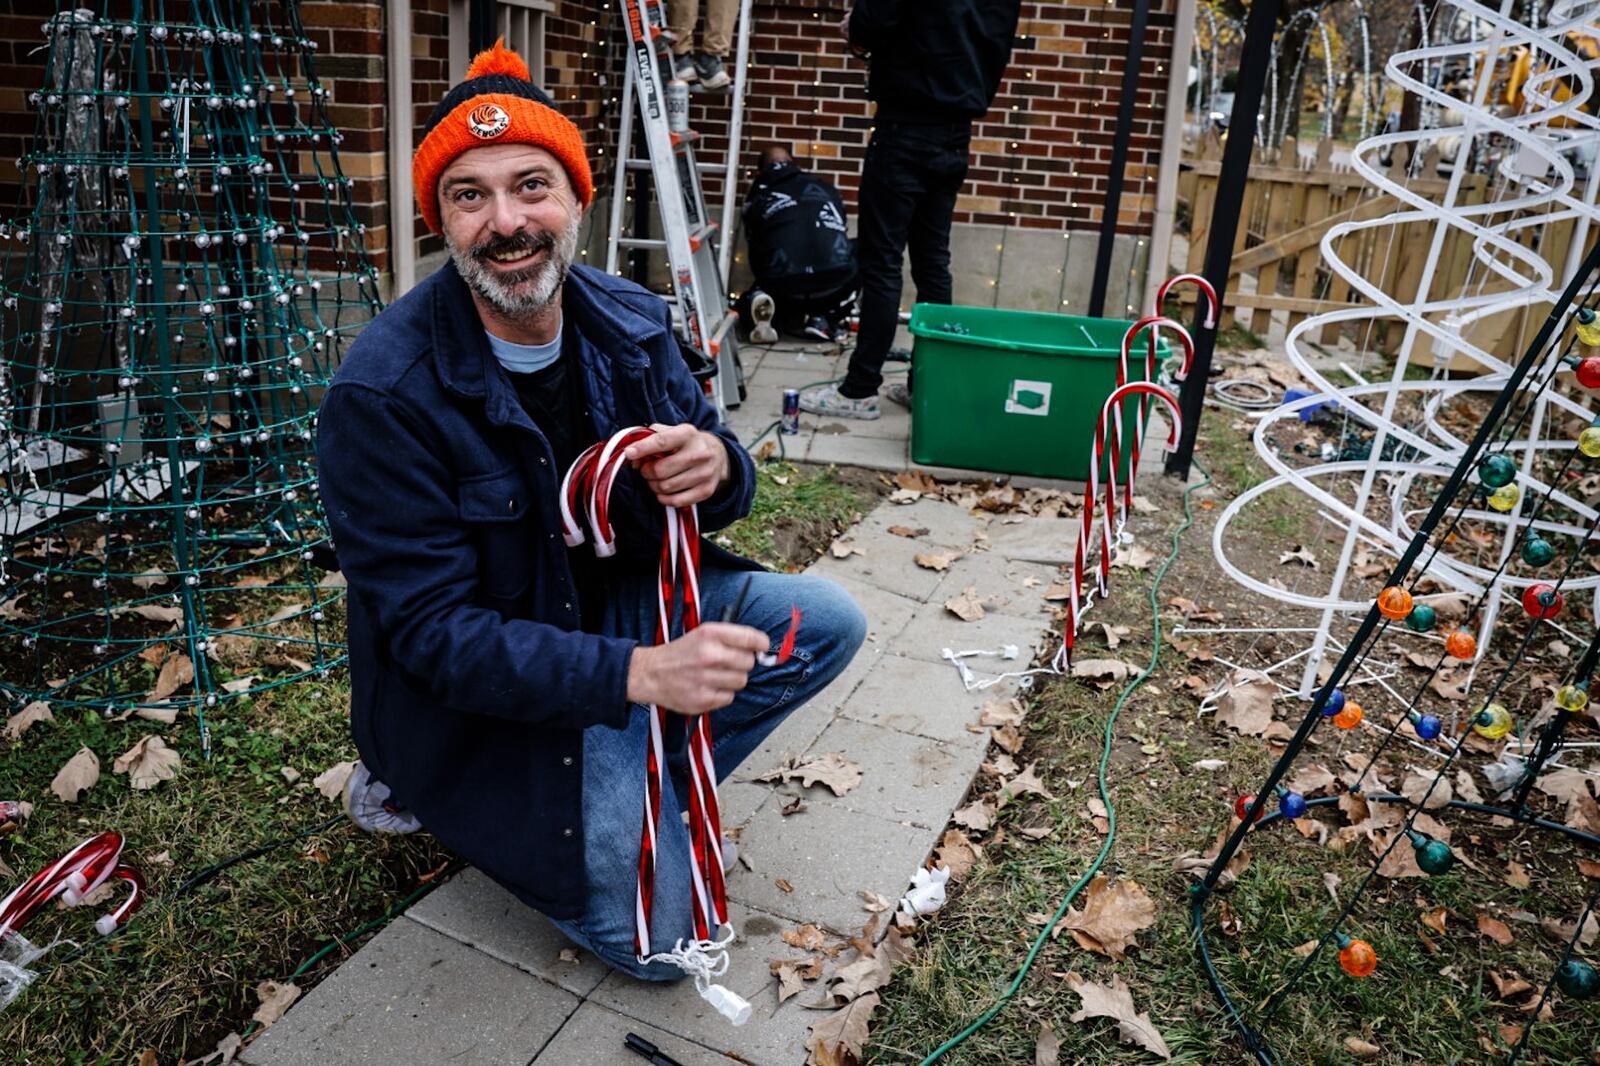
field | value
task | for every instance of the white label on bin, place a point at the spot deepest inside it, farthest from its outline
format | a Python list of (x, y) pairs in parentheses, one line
[(1028, 398)]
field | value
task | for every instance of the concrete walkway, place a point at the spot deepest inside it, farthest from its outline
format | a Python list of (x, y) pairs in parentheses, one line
[(471, 977)]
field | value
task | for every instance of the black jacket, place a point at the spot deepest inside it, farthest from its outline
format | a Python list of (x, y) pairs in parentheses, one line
[(472, 682), (934, 61), (795, 226)]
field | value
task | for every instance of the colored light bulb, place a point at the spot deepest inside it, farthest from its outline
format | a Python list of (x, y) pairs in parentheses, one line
[(1504, 498), (1421, 618), (1357, 957), (1542, 601), (1493, 722), (1589, 368), (1587, 328), (1349, 717), (1335, 703), (1241, 807), (1536, 551), (1433, 856), (1394, 602), (1577, 979), (1572, 698), (1461, 644), (1497, 470), (1426, 725), (1291, 804), (1589, 442)]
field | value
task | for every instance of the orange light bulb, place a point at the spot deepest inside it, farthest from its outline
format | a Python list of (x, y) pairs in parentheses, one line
[(1349, 717), (1358, 958), (1394, 602), (1461, 644)]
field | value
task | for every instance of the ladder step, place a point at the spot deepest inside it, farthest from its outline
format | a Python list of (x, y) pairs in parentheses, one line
[(641, 242), (702, 167)]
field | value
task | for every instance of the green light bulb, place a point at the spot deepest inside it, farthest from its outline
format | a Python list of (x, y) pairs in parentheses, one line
[(1497, 470), (1421, 618), (1536, 551)]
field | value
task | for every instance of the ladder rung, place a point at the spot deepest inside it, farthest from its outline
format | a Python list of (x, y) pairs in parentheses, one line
[(641, 242)]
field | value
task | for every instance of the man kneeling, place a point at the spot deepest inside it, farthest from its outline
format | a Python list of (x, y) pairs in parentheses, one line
[(499, 676)]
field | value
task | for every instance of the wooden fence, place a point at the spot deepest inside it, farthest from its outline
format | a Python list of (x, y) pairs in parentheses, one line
[(1289, 204)]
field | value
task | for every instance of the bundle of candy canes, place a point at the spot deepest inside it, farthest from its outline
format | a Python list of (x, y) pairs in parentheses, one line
[(71, 878), (586, 491), (1107, 444)]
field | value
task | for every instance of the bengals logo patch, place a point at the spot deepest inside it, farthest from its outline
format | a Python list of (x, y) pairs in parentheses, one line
[(488, 120)]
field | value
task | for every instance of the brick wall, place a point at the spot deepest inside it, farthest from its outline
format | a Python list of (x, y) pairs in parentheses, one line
[(1041, 158)]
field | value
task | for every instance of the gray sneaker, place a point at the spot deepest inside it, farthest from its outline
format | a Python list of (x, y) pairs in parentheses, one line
[(825, 400), (898, 392), (709, 68), (683, 68), (366, 801)]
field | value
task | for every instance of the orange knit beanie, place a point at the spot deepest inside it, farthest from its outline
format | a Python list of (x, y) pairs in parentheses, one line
[(496, 104)]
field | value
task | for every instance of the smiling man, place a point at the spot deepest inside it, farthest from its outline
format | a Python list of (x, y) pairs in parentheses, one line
[(499, 676)]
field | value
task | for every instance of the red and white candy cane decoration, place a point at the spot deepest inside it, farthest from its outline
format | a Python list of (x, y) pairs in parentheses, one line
[(1152, 326), (1106, 421), (1198, 282), (72, 877), (587, 489)]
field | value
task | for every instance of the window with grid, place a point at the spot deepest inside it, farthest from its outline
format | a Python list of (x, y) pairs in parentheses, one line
[(521, 23)]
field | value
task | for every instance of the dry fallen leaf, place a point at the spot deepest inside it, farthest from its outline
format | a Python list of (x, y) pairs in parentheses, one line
[(17, 724), (148, 763), (957, 854), (968, 606), (784, 885), (830, 768), (77, 776), (1132, 557), (1113, 914), (908, 532), (275, 999), (1025, 782), (1047, 1048), (1247, 704), (1103, 672), (1517, 875), (1001, 712), (1507, 987), (1361, 1049), (843, 549), (1299, 554), (977, 816), (1495, 930), (331, 781), (1116, 1001), (939, 561), (176, 672), (838, 1038), (792, 974), (1435, 919)]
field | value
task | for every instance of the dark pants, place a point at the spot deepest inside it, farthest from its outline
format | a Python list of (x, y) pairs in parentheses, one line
[(908, 193)]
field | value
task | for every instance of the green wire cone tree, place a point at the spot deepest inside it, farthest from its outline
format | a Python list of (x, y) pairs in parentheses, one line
[(176, 283)]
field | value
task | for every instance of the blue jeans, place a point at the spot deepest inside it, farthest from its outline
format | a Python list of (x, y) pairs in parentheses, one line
[(832, 629)]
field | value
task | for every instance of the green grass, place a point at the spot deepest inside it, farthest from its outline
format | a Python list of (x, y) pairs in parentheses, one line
[(182, 975), (798, 511)]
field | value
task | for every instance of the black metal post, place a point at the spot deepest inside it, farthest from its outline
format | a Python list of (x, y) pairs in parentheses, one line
[(482, 26), (1119, 158), (1231, 183)]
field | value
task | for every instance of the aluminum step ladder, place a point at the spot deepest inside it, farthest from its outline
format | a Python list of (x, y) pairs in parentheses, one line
[(690, 237)]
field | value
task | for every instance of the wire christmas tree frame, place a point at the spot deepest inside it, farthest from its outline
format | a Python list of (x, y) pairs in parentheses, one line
[(175, 290), (1485, 469)]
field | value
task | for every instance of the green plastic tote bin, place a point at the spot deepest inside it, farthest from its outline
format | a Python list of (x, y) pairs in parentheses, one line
[(1016, 392)]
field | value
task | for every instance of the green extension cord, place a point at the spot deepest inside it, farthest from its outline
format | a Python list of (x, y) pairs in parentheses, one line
[(1105, 795)]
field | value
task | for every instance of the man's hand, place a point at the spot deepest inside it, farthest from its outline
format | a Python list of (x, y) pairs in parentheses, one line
[(681, 464), (697, 673)]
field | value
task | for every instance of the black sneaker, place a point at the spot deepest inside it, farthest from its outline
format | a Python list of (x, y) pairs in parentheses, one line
[(816, 326), (683, 68), (709, 69)]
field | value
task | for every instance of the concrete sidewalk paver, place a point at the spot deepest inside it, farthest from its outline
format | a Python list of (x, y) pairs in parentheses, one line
[(596, 1034), (479, 913), (915, 696), (904, 777), (412, 995)]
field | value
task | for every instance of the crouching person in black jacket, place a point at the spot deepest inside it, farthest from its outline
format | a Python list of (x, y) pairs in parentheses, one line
[(500, 676), (800, 252)]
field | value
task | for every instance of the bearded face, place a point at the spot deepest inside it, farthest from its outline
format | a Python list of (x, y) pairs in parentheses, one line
[(521, 273)]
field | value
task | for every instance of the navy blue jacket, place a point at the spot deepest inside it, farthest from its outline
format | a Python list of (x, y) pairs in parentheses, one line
[(471, 680)]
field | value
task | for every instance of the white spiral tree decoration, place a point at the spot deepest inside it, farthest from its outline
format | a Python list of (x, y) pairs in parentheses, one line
[(1534, 185)]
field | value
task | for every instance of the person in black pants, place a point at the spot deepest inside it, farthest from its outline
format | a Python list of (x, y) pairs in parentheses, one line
[(800, 253), (935, 67)]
